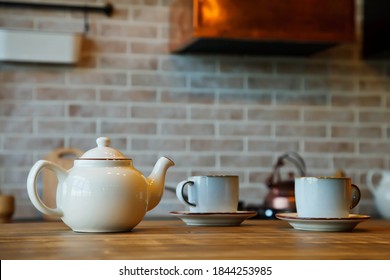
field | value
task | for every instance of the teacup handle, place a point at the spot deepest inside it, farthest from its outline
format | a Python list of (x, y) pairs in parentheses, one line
[(32, 188), (355, 196), (180, 192)]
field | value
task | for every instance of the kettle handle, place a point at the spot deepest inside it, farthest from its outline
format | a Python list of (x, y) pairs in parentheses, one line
[(294, 158), (370, 174), (180, 194), (32, 188)]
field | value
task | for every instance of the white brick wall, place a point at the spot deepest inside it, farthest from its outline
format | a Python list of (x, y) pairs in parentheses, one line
[(226, 114)]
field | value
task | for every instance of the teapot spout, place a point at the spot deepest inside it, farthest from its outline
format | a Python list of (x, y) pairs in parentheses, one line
[(156, 181)]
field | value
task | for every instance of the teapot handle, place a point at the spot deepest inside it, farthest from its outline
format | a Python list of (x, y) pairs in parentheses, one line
[(32, 189), (369, 176)]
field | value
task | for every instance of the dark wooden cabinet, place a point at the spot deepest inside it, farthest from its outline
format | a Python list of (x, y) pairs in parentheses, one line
[(282, 27), (376, 29)]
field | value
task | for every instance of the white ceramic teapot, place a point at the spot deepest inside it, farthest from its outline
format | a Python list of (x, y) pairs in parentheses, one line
[(381, 191), (103, 192)]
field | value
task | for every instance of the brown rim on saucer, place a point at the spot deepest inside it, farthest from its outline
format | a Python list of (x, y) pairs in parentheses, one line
[(294, 216), (212, 213)]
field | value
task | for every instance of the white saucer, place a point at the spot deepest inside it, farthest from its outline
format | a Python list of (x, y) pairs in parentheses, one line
[(322, 224), (214, 218)]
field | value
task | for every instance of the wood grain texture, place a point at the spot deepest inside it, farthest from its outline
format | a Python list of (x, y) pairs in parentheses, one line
[(172, 239)]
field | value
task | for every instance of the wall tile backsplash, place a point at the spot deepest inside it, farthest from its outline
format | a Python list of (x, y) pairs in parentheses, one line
[(209, 113)]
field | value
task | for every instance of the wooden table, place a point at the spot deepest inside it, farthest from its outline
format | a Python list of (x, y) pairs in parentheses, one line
[(172, 239)]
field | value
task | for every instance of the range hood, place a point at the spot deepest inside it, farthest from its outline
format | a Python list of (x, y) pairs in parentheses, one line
[(282, 27)]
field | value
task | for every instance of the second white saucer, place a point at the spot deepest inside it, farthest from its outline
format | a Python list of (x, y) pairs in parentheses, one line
[(322, 224), (214, 218)]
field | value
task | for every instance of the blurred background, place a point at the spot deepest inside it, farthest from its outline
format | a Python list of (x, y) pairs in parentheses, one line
[(210, 113)]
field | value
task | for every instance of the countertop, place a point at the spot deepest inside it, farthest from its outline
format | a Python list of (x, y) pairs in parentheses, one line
[(174, 240)]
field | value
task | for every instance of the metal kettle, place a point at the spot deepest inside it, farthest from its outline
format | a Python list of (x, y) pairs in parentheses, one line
[(280, 197)]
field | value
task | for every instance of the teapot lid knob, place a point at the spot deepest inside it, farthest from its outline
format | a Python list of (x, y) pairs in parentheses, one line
[(103, 151), (103, 142)]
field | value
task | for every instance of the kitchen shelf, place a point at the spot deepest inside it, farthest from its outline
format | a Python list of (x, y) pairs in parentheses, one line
[(107, 9)]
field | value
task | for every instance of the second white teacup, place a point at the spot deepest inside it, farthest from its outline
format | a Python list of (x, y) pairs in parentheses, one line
[(211, 193), (325, 197)]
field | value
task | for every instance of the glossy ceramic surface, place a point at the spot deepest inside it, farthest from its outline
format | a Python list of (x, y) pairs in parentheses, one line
[(325, 197), (380, 190), (213, 193), (103, 192), (323, 224)]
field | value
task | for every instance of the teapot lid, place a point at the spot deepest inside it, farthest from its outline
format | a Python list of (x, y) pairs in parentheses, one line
[(103, 151)]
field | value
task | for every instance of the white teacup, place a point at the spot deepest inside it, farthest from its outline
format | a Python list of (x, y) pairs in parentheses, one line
[(325, 197), (211, 193)]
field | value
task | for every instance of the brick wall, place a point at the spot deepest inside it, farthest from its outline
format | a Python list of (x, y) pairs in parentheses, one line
[(210, 114)]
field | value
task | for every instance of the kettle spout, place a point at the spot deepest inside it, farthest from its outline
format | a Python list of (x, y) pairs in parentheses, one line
[(156, 181)]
